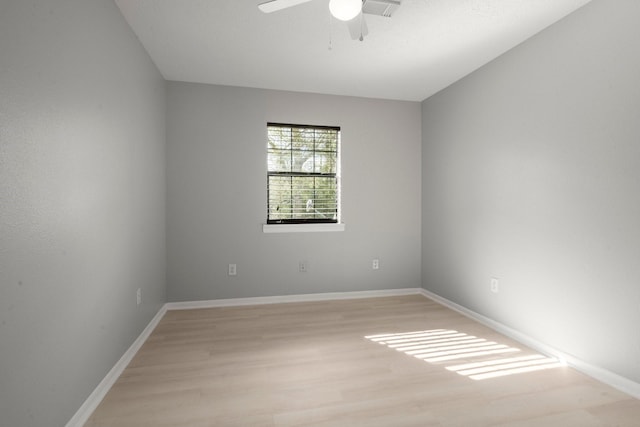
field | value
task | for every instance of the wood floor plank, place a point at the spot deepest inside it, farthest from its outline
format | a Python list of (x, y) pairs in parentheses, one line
[(390, 361)]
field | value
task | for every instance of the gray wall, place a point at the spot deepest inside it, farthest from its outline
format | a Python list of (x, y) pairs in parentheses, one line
[(82, 202), (531, 174), (216, 199)]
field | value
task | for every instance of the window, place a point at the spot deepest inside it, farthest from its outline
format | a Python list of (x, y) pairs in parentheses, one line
[(302, 174)]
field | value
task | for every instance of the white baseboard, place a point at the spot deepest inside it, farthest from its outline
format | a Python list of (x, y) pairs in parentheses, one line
[(94, 399), (614, 380), (290, 298)]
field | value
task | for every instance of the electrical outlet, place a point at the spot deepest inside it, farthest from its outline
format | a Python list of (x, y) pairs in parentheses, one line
[(139, 296), (302, 266), (375, 264), (233, 270), (495, 285)]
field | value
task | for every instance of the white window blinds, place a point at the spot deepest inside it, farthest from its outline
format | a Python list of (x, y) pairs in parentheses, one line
[(302, 174)]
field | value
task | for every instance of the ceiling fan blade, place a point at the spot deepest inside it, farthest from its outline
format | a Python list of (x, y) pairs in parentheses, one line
[(358, 27), (275, 5)]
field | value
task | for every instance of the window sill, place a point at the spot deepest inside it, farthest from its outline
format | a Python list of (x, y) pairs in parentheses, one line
[(301, 228)]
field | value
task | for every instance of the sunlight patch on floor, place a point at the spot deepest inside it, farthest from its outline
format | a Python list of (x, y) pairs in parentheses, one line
[(445, 345)]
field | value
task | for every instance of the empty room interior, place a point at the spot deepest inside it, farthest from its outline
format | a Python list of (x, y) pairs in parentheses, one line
[(459, 247)]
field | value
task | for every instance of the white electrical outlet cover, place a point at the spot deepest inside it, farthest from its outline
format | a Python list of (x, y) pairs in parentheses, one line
[(233, 270), (495, 285)]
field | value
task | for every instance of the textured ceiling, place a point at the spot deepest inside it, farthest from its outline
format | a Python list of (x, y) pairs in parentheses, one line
[(424, 47)]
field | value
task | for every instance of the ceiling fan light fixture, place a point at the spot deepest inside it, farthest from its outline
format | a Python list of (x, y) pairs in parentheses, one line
[(345, 10)]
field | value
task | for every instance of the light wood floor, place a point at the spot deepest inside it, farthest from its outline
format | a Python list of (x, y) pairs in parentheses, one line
[(335, 363)]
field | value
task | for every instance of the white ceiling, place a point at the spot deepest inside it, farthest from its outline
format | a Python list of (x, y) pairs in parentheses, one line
[(424, 47)]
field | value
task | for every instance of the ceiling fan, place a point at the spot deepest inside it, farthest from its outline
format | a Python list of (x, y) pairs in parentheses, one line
[(350, 11)]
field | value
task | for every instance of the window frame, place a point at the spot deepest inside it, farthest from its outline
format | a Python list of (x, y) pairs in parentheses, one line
[(305, 224)]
